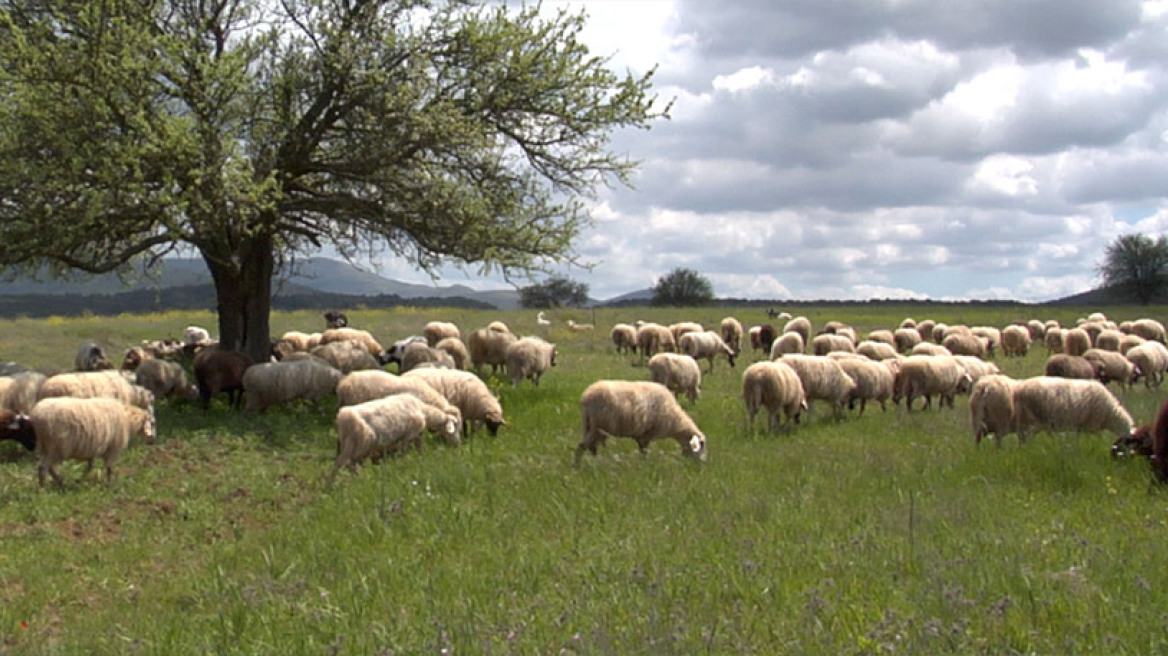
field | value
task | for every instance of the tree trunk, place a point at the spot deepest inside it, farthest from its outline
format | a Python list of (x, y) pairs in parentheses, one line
[(243, 294)]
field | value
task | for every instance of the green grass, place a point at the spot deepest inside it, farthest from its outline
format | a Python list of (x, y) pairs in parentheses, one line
[(888, 533)]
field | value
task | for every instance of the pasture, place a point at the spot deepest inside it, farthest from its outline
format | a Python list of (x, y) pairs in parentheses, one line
[(886, 533)]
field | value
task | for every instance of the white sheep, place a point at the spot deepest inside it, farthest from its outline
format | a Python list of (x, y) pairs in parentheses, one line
[(270, 383), (300, 342), (874, 381), (1113, 366), (580, 327), (362, 338), (776, 387), (418, 355), (1016, 340), (874, 350), (624, 338), (786, 343), (19, 392), (965, 343), (976, 367), (1109, 340), (1129, 342), (384, 425), (883, 336), (457, 351), (1076, 341), (641, 410), (680, 373), (1149, 329), (1151, 358), (436, 331), (1068, 404), (528, 358), (498, 326), (682, 327), (85, 429), (196, 336), (825, 343), (165, 379), (731, 332), (706, 344), (904, 339), (801, 325), (90, 357), (653, 338), (361, 386), (1037, 329), (487, 346), (990, 336), (467, 392), (926, 375), (991, 407), (346, 356), (823, 379), (1055, 340), (96, 384), (395, 352)]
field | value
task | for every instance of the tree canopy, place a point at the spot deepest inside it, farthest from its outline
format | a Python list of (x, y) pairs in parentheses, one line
[(1137, 265), (436, 131), (683, 287), (556, 291)]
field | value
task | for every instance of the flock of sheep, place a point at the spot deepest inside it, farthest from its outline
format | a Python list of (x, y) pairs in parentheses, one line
[(93, 412)]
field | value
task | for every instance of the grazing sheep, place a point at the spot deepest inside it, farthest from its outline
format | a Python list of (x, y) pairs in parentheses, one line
[(877, 350), (682, 327), (1037, 329), (218, 371), (991, 337), (362, 338), (938, 332), (1109, 340), (436, 331), (1113, 366), (346, 356), (85, 429), (1076, 341), (822, 378), (15, 426), (467, 392), (786, 343), (1065, 404), (679, 373), (1055, 340), (1129, 342), (335, 319), (1149, 329), (1061, 365), (487, 346), (731, 333), (904, 339), (134, 356), (801, 325), (90, 357), (874, 381), (883, 336), (270, 383), (1151, 441), (976, 367), (776, 387), (96, 384), (653, 338), (395, 352), (707, 344), (929, 348), (1093, 328), (624, 338), (825, 343), (165, 379), (925, 329), (641, 410), (19, 392), (454, 347), (384, 425), (926, 375), (962, 343), (418, 355), (299, 342), (528, 358), (196, 336), (362, 386), (1151, 359), (1016, 341), (991, 407)]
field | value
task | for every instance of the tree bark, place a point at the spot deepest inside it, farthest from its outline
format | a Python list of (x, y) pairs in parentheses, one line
[(243, 291)]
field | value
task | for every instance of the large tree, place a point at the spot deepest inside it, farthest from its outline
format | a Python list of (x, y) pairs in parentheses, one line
[(250, 131), (1137, 265), (683, 287)]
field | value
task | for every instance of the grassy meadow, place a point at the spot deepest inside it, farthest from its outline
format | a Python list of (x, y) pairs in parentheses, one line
[(886, 533)]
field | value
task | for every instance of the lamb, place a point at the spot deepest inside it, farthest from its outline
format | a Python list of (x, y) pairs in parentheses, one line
[(85, 429), (786, 343), (488, 346), (826, 343), (96, 384), (1062, 365), (731, 333), (991, 407), (679, 373), (1113, 366), (16, 426), (641, 410), (905, 339), (216, 371), (624, 338), (1061, 404), (528, 358), (775, 386), (801, 325), (1016, 340), (454, 347), (363, 338), (877, 350), (1076, 341), (19, 392), (346, 356), (383, 425), (874, 381), (436, 331), (467, 392), (928, 375), (362, 386), (419, 355), (822, 379), (90, 357), (1151, 358), (653, 338), (1149, 329), (707, 344), (165, 379), (280, 382)]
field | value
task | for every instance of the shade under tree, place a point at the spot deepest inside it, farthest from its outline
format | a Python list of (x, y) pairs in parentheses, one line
[(1136, 266)]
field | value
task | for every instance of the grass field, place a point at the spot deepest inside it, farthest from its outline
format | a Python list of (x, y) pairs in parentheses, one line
[(887, 533)]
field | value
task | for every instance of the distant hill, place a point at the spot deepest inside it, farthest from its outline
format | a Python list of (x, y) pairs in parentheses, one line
[(1103, 296)]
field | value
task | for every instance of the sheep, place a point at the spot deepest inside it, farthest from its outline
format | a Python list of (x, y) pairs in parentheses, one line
[(1129, 342), (990, 336), (580, 327), (624, 338), (196, 336), (641, 410), (361, 386), (707, 344), (1062, 365), (467, 392), (961, 343), (1109, 340), (488, 346), (96, 384), (786, 343), (363, 338), (877, 350), (883, 336), (542, 322), (1055, 340), (346, 356), (874, 381), (134, 356), (926, 375), (165, 379), (925, 329), (15, 426), (528, 358), (822, 378), (418, 355), (1060, 404), (680, 373), (775, 386), (394, 353), (1016, 340), (85, 429), (904, 339), (826, 343), (216, 371), (653, 338), (454, 347), (1113, 366), (90, 357), (801, 325), (386, 424), (764, 339), (1076, 341), (991, 407), (929, 348), (682, 327), (436, 331), (498, 327), (1151, 358), (19, 392), (335, 319), (1149, 329), (1151, 441), (300, 342), (938, 332), (1093, 328), (270, 383), (731, 333), (976, 367), (907, 322)]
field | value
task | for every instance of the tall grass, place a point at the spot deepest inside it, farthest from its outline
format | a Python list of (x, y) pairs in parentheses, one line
[(886, 533)]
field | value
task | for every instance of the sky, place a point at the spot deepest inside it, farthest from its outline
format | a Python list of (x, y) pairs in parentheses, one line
[(857, 149)]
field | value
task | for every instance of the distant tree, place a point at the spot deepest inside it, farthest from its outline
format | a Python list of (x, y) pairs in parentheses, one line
[(1136, 264), (682, 287), (554, 292)]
